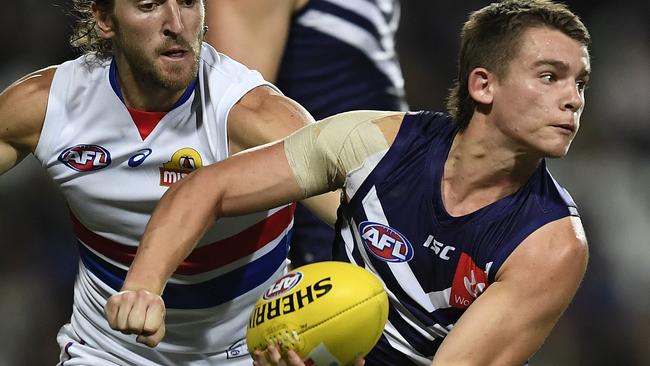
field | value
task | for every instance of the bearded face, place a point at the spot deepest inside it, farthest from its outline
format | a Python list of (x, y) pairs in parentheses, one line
[(159, 44)]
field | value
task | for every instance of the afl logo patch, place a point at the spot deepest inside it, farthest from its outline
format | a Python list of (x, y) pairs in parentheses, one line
[(385, 243), (84, 158), (283, 285)]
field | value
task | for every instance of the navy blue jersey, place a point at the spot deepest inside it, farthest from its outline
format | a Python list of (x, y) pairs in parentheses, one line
[(433, 265), (340, 56)]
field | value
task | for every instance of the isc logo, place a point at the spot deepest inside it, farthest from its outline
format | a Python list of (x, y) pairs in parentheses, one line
[(385, 242), (284, 284), (84, 158)]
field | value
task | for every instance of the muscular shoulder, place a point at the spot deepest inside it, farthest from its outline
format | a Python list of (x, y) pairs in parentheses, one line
[(264, 115), (552, 260), (22, 109)]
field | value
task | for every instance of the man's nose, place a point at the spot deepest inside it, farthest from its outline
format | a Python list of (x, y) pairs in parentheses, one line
[(574, 99), (173, 24)]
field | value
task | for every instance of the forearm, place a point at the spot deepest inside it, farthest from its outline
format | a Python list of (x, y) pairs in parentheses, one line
[(188, 205), (494, 334)]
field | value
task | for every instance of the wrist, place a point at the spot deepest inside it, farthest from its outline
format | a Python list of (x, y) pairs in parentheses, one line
[(132, 283)]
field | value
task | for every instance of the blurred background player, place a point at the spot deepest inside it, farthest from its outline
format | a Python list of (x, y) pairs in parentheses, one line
[(331, 56)]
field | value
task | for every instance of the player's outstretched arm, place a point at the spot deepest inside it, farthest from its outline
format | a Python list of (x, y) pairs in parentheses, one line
[(508, 323), (248, 182), (22, 112)]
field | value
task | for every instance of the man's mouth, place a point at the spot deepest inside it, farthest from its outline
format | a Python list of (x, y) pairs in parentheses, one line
[(175, 53), (568, 127)]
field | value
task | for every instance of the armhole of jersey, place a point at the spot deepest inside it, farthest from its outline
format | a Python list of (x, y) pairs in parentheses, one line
[(504, 252), (52, 122), (231, 97), (557, 204)]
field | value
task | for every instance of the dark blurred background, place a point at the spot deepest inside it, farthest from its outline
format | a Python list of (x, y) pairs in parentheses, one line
[(607, 172)]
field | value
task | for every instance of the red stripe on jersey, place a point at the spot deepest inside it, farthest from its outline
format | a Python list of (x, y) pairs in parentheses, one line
[(145, 121), (209, 257), (205, 258)]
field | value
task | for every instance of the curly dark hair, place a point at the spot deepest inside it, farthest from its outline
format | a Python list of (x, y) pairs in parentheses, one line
[(84, 35), (490, 39)]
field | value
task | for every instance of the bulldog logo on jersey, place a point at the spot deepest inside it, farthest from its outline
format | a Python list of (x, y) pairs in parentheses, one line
[(182, 163), (469, 282), (84, 158), (385, 243)]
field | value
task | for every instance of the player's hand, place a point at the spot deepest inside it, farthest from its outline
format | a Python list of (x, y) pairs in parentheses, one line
[(272, 357), (137, 312)]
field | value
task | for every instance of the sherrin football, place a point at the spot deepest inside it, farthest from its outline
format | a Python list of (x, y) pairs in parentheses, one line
[(328, 312)]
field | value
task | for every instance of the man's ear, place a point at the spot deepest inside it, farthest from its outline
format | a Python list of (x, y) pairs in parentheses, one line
[(480, 86), (104, 22)]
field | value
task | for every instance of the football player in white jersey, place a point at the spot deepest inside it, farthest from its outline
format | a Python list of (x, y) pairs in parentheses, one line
[(147, 104), (524, 66)]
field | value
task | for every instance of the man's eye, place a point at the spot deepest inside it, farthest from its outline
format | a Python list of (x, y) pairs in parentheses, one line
[(147, 6), (548, 77)]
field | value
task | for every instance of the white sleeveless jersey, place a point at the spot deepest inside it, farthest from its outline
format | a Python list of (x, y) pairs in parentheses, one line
[(112, 179)]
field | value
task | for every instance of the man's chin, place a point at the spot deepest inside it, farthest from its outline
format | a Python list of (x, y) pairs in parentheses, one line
[(175, 78), (175, 84), (557, 153)]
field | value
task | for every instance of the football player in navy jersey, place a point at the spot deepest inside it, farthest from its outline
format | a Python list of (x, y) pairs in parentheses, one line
[(331, 56), (480, 250)]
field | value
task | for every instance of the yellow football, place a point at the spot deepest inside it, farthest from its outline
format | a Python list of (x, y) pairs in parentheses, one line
[(330, 313)]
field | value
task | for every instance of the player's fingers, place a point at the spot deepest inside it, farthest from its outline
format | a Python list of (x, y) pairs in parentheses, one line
[(124, 302), (153, 339), (274, 355), (154, 317), (111, 309), (136, 317), (293, 359), (146, 305), (360, 361), (259, 358)]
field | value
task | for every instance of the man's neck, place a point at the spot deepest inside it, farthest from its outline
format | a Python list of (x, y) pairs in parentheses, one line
[(144, 96), (481, 169)]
